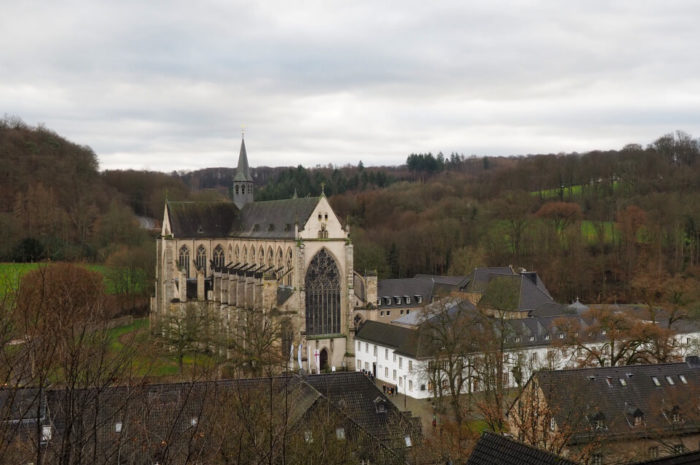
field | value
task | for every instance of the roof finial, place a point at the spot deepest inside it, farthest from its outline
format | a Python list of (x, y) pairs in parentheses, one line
[(323, 189), (242, 131)]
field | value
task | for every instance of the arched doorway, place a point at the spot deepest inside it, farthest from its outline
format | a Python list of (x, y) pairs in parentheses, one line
[(322, 287), (323, 359)]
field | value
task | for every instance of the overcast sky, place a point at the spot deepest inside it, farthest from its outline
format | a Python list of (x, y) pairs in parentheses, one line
[(167, 85)]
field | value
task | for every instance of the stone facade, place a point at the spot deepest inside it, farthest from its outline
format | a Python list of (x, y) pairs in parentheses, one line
[(290, 258)]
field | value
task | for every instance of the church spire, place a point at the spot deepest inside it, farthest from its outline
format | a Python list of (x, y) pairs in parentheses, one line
[(243, 181), (243, 172)]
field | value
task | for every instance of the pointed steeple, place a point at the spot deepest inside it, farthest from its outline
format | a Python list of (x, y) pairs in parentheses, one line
[(243, 172), (242, 181)]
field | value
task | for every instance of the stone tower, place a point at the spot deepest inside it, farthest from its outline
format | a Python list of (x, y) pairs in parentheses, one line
[(243, 181)]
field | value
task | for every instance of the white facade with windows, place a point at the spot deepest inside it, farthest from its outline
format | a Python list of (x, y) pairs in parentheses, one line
[(410, 375)]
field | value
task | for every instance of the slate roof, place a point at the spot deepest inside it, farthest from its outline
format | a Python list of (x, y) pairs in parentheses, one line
[(422, 286), (268, 219), (529, 295), (201, 219), (274, 218), (356, 396), (402, 340), (621, 393), (480, 277), (494, 449), (170, 413)]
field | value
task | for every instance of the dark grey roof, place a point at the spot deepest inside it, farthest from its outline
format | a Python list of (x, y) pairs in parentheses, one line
[(480, 277), (494, 449), (575, 396), (356, 396), (422, 286), (402, 340), (243, 172), (274, 218), (201, 219), (172, 414), (269, 219)]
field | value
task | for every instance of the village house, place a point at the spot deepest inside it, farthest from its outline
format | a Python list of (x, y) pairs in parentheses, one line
[(611, 414), (396, 355), (303, 419)]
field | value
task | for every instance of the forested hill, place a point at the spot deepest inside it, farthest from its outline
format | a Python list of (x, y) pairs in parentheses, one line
[(621, 225)]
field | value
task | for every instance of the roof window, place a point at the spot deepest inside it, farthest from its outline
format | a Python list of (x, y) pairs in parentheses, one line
[(670, 380), (656, 381), (118, 427), (683, 379), (623, 382), (340, 433)]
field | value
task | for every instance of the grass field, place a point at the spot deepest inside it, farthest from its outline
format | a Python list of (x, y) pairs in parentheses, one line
[(566, 192), (150, 360), (11, 273)]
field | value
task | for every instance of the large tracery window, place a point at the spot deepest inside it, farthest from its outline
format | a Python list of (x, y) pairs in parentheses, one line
[(184, 261), (219, 257), (322, 295), (201, 259)]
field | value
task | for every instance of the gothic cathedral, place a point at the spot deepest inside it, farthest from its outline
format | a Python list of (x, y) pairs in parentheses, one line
[(282, 257)]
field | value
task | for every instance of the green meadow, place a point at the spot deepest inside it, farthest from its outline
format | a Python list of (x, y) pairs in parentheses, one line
[(11, 274)]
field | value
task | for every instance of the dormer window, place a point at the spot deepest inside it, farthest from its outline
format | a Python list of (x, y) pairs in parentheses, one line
[(676, 414), (598, 421), (419, 298), (387, 300), (287, 227), (532, 338), (546, 337), (561, 336), (638, 418), (407, 300), (271, 227), (256, 227), (397, 300), (379, 405)]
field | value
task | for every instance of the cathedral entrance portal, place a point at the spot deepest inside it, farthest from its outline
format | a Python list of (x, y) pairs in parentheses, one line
[(324, 360)]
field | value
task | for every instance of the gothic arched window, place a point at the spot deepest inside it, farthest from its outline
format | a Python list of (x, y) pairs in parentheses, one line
[(201, 262), (261, 256), (219, 257), (238, 254), (279, 264), (184, 261), (270, 257), (322, 285)]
